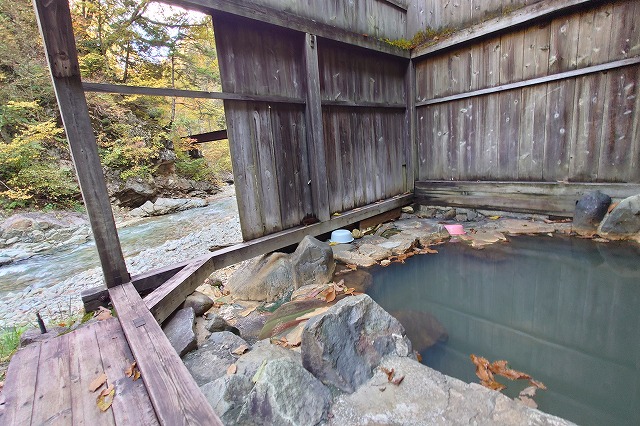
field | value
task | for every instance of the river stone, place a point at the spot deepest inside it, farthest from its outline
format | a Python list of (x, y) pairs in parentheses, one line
[(375, 252), (312, 262), (200, 303), (180, 332), (427, 397), (344, 345), (285, 394), (216, 323), (624, 219), (211, 361), (226, 395), (589, 211), (263, 352), (266, 278)]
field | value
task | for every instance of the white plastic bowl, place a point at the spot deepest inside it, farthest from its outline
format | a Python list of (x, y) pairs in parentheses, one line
[(341, 236)]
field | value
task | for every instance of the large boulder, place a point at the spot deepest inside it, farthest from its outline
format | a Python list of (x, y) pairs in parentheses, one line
[(266, 278), (212, 359), (179, 330), (344, 345), (164, 206), (589, 211), (624, 219), (312, 262), (427, 397), (285, 394)]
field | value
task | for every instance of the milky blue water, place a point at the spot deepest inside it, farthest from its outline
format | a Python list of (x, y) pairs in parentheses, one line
[(566, 311)]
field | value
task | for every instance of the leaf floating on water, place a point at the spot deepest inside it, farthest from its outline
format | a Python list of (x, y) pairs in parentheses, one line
[(486, 370), (97, 382), (105, 399), (428, 250), (231, 370), (240, 350), (526, 396), (537, 384), (500, 368)]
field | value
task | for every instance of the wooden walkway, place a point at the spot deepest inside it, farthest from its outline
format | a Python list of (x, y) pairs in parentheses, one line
[(49, 382)]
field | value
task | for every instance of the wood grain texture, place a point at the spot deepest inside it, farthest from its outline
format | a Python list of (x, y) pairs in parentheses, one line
[(175, 396), (527, 197), (295, 20), (54, 20), (52, 402), (20, 386), (131, 403)]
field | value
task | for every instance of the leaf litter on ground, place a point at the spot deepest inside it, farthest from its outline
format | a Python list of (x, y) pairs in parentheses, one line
[(486, 370), (97, 382), (105, 398)]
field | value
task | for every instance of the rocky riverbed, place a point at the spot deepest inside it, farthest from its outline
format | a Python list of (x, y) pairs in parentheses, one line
[(36, 239)]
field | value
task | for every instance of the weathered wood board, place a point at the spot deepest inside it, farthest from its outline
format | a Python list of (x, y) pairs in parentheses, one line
[(529, 197)]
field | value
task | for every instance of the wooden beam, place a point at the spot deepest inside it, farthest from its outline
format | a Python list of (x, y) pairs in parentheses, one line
[(144, 283), (258, 12), (315, 132), (166, 298), (535, 81), (525, 15), (398, 4), (54, 20), (175, 396), (216, 135), (552, 198), (250, 249), (363, 104), (180, 93)]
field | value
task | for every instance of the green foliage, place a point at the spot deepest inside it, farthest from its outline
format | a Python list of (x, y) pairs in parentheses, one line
[(9, 341)]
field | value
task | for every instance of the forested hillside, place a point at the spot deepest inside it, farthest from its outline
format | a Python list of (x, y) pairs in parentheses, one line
[(140, 140)]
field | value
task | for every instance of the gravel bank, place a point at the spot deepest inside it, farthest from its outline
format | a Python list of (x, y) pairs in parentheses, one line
[(60, 301)]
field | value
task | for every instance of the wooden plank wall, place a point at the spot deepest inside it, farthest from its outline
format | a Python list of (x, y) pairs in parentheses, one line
[(363, 104), (582, 129), (376, 18), (435, 14)]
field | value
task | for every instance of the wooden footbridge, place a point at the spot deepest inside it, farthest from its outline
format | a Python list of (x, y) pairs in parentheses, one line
[(325, 118)]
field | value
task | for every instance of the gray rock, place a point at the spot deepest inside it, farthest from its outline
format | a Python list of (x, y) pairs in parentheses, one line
[(249, 363), (226, 395), (343, 253), (344, 345), (179, 330), (285, 394), (312, 262), (624, 219), (589, 211), (449, 214), (376, 252), (266, 278), (216, 323), (427, 397), (214, 357), (5, 260), (200, 303)]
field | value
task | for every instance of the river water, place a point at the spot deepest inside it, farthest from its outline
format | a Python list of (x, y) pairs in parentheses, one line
[(566, 311), (187, 230)]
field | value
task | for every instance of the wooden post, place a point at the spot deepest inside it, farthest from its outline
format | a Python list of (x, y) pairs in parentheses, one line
[(315, 131), (54, 20), (410, 143)]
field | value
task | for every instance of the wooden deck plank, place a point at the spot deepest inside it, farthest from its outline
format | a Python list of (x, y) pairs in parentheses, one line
[(85, 364), (176, 398), (52, 403), (20, 386), (131, 404)]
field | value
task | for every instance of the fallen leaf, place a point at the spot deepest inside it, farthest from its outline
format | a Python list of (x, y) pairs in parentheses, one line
[(240, 350), (130, 369), (388, 372), (500, 368), (294, 337), (313, 313), (351, 266), (247, 311), (97, 382), (259, 372), (349, 290), (232, 370), (529, 402), (529, 391), (105, 399), (333, 243), (136, 375), (493, 385), (494, 217), (397, 380), (428, 250), (331, 295), (418, 356), (102, 313), (612, 206), (537, 384)]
